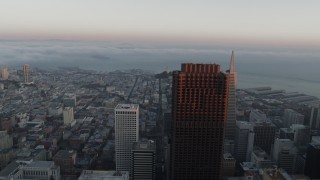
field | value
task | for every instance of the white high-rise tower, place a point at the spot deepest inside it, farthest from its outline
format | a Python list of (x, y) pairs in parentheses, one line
[(231, 111), (127, 132)]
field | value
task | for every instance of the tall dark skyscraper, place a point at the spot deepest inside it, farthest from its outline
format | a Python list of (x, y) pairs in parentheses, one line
[(312, 161), (199, 109), (264, 135)]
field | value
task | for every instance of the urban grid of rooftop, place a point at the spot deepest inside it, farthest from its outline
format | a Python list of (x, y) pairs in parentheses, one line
[(159, 90)]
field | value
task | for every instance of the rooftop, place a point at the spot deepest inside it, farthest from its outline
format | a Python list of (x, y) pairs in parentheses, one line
[(64, 154), (144, 145), (228, 156), (274, 173), (104, 175), (127, 107), (46, 164)]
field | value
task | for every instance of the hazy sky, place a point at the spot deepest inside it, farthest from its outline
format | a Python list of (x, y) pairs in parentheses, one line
[(284, 22)]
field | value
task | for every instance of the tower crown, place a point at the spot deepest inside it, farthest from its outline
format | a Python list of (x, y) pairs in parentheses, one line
[(232, 66)]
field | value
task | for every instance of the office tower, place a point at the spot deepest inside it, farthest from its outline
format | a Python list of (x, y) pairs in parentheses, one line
[(315, 117), (4, 73), (26, 72), (199, 108), (264, 135), (143, 160), (231, 112), (244, 140), (284, 154), (292, 117), (257, 116), (68, 115), (126, 133), (313, 161)]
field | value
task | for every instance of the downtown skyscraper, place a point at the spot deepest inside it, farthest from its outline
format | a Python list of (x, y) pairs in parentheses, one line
[(199, 109), (126, 133), (232, 108)]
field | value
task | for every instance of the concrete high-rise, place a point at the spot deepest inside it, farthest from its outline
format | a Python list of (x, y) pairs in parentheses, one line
[(199, 109), (292, 117), (26, 72), (298, 133), (232, 108), (143, 160), (284, 154), (68, 115), (244, 139), (264, 135), (126, 133)]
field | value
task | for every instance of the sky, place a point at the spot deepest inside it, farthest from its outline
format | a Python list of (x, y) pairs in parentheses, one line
[(251, 22)]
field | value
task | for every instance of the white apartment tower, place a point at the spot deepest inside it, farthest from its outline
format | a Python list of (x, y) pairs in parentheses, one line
[(68, 115), (127, 132), (231, 111)]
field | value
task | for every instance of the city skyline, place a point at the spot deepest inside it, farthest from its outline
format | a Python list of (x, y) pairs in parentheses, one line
[(271, 23)]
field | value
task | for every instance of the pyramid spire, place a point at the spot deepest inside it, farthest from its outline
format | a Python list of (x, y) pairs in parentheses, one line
[(232, 66)]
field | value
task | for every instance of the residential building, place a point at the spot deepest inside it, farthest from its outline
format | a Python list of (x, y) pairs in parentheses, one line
[(68, 115)]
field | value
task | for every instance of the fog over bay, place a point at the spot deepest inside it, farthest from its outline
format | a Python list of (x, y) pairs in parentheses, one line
[(288, 69)]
